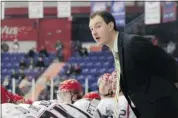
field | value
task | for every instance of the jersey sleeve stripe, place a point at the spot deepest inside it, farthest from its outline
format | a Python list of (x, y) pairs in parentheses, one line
[(98, 113), (62, 112), (88, 116)]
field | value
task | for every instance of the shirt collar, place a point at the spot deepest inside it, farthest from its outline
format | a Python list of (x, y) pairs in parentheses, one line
[(115, 47)]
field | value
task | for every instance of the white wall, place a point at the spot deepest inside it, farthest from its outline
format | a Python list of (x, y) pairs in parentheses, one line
[(54, 3), (88, 45), (46, 4), (25, 46)]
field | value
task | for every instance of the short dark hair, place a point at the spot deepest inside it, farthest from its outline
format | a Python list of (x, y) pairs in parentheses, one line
[(107, 17)]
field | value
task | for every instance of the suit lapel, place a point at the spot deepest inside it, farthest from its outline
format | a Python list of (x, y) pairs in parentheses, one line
[(120, 51), (123, 83)]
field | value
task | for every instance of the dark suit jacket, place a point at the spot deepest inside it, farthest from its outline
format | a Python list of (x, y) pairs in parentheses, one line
[(147, 77)]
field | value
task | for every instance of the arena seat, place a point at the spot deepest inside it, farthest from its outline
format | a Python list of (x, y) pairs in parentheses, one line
[(10, 61), (96, 64)]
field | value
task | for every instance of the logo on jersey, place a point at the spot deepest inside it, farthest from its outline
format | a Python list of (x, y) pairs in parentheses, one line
[(23, 110), (45, 103), (34, 108), (109, 112)]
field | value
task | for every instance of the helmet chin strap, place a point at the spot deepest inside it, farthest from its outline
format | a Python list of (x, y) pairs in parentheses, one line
[(71, 98)]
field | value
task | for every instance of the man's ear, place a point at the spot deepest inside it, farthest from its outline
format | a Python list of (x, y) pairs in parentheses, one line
[(111, 26)]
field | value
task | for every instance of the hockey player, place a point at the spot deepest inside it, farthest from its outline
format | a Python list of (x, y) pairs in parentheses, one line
[(105, 108), (8, 97), (69, 91), (89, 102), (105, 85)]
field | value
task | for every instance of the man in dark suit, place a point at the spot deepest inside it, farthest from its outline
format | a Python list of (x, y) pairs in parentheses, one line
[(147, 73), (43, 52)]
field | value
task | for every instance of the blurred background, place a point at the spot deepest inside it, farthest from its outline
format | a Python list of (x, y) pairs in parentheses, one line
[(44, 43)]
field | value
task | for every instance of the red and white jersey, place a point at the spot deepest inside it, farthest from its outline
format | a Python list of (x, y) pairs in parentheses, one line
[(52, 109), (69, 109), (87, 105), (106, 108), (124, 109), (10, 110), (42, 109)]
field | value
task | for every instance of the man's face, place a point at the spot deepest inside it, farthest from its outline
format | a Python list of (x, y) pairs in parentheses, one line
[(64, 97), (99, 30), (104, 88)]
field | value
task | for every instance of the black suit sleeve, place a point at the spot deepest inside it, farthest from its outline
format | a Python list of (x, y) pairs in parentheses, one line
[(153, 59)]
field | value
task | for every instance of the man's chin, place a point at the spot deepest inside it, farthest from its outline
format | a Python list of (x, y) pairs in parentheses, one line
[(100, 43)]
